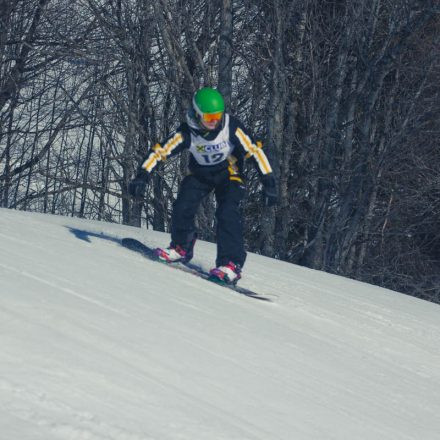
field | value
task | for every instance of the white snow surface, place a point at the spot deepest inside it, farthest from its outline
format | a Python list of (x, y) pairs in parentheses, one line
[(99, 343)]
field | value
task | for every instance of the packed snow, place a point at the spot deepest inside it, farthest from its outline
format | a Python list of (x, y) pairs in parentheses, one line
[(99, 343)]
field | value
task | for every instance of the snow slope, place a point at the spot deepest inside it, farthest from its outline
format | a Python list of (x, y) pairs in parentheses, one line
[(98, 343)]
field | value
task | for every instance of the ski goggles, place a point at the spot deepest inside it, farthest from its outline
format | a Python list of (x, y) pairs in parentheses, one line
[(212, 117)]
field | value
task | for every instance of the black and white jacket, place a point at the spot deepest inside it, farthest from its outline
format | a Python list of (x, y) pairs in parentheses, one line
[(212, 152)]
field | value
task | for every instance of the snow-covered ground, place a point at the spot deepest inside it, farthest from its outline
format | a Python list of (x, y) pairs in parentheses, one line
[(98, 343)]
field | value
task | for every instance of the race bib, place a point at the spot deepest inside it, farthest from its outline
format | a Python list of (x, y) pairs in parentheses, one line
[(212, 152)]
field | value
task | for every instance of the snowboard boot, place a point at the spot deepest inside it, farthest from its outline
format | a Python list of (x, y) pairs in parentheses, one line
[(172, 254), (228, 274), (176, 253)]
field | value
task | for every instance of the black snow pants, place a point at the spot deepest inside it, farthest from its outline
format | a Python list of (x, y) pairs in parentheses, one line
[(228, 193)]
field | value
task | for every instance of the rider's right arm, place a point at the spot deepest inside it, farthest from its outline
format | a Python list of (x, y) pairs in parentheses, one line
[(172, 145)]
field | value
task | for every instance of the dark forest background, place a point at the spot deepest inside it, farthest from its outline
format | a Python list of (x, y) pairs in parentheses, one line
[(344, 95)]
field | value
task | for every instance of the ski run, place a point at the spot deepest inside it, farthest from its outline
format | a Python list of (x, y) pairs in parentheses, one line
[(99, 343)]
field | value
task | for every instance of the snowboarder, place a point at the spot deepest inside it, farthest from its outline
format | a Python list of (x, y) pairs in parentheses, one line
[(218, 144)]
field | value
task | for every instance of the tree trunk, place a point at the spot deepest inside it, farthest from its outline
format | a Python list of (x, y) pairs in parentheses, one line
[(275, 125), (225, 52)]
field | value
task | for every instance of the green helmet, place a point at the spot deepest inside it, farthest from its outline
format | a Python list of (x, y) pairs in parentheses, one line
[(208, 103)]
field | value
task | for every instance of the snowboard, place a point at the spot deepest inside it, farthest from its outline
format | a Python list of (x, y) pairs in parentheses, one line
[(147, 252)]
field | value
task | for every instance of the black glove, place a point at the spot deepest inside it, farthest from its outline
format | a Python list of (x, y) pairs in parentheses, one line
[(136, 188), (270, 193)]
